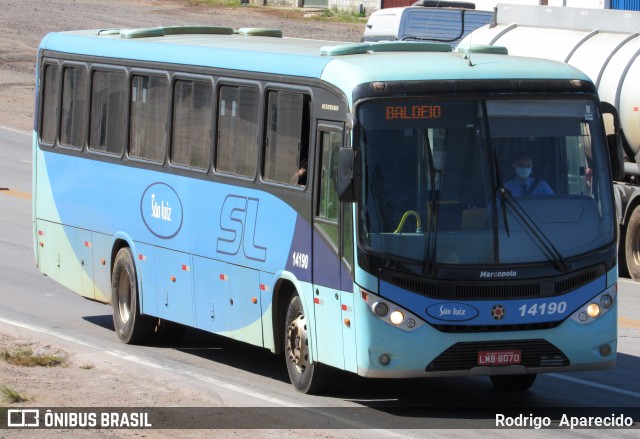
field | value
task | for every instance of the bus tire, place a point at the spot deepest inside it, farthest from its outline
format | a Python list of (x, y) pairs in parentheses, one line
[(632, 245), (131, 326), (513, 382), (306, 377)]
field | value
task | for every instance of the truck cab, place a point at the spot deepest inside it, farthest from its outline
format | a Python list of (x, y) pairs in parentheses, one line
[(448, 24)]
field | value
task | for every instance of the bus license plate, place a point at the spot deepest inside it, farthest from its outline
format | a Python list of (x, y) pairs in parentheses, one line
[(499, 358)]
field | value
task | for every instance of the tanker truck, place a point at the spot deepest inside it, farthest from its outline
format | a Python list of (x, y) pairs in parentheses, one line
[(604, 44)]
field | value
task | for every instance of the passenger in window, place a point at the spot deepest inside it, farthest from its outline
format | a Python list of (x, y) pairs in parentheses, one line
[(524, 184), (300, 177)]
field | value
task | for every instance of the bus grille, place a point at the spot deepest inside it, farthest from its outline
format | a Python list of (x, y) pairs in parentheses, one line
[(491, 290), (459, 329), (464, 355)]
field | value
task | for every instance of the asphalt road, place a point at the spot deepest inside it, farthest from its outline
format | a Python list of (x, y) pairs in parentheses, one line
[(236, 374)]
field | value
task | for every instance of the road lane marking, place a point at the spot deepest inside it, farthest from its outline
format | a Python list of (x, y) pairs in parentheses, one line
[(630, 323), (26, 133), (592, 384), (147, 363), (223, 384), (17, 194)]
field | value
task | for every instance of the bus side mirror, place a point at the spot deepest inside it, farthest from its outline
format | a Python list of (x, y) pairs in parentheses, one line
[(346, 176), (616, 143), (616, 156)]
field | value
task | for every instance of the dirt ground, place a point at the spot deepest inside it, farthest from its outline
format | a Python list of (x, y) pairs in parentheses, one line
[(23, 23), (94, 382)]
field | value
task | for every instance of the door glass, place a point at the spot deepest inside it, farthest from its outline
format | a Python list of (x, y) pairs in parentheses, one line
[(328, 205)]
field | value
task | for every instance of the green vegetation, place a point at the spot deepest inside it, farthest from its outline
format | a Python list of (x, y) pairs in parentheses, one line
[(221, 3), (11, 395), (335, 14), (24, 356)]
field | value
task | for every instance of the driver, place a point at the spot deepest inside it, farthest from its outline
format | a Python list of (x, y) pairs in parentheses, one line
[(523, 184)]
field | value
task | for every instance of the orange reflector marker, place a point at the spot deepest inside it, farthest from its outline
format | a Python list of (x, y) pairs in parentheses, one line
[(254, 300), (364, 295), (41, 244), (103, 262), (347, 323), (173, 278)]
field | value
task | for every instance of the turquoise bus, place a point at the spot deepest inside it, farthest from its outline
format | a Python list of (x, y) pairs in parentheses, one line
[(350, 206)]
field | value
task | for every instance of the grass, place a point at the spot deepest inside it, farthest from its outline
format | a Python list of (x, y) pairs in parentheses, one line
[(11, 395), (24, 356), (221, 3), (333, 14)]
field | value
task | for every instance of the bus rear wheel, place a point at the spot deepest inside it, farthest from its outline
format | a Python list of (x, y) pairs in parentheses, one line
[(131, 326), (513, 382), (306, 377)]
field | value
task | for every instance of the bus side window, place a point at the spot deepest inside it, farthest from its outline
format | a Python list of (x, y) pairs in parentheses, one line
[(236, 146), (48, 118), (108, 105), (287, 135), (149, 101), (74, 107), (192, 124)]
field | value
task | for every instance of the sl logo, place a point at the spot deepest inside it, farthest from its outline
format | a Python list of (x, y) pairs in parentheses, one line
[(238, 219)]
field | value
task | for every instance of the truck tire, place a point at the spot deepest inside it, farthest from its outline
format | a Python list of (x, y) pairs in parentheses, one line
[(632, 245)]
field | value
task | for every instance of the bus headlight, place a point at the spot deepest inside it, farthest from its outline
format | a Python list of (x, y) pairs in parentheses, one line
[(380, 309), (596, 307), (606, 301), (396, 317), (391, 313), (593, 310)]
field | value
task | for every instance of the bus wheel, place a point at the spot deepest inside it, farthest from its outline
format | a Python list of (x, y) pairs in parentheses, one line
[(513, 382), (131, 326), (306, 377), (632, 245)]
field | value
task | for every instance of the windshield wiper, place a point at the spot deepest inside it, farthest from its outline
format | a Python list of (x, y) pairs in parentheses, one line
[(532, 228), (544, 243)]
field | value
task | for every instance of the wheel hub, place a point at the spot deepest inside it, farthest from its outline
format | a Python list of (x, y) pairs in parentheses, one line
[(298, 344)]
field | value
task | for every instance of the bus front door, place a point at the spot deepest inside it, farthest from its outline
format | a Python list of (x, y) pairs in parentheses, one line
[(326, 254)]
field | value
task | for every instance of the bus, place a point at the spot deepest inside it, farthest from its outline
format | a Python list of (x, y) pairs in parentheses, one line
[(346, 206)]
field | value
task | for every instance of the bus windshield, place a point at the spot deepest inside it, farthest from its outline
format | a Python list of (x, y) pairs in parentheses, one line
[(483, 181)]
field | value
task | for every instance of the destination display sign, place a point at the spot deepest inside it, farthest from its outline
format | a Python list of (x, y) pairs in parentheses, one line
[(399, 112)]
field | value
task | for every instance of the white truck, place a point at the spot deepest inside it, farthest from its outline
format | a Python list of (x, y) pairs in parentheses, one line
[(439, 21), (604, 44)]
